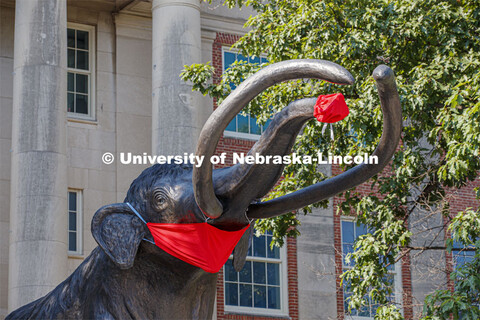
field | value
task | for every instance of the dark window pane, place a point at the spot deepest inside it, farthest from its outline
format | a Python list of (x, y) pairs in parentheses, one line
[(71, 58), (259, 272), (254, 127), (245, 295), (230, 273), (361, 230), (231, 294), (71, 38), (232, 126), (462, 257), (347, 248), (374, 309), (70, 102), (246, 273), (273, 297), (389, 279), (259, 246), (459, 261), (260, 296), (82, 60), (469, 256), (255, 60), (346, 300), (229, 58), (390, 298), (265, 126), (82, 83), (72, 221), (72, 241), (390, 267), (347, 285), (274, 252), (364, 311), (72, 201), (457, 244), (347, 232), (242, 123), (82, 39), (240, 57), (71, 82), (81, 103), (273, 274)]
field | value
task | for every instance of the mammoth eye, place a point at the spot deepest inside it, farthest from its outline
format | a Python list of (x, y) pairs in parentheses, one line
[(160, 198)]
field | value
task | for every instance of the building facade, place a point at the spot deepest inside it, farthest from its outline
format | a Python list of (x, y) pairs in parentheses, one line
[(79, 79)]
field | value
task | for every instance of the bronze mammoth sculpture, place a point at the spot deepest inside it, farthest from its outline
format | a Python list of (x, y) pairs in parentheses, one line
[(127, 278)]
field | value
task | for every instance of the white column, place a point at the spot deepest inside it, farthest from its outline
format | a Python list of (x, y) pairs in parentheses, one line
[(177, 112), (38, 214)]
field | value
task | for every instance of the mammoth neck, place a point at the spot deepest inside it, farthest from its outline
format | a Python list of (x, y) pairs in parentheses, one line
[(163, 287)]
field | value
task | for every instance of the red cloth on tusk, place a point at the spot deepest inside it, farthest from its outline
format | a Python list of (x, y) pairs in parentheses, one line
[(330, 108)]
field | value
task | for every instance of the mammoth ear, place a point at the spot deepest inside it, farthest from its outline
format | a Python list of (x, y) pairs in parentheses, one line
[(118, 232), (241, 249)]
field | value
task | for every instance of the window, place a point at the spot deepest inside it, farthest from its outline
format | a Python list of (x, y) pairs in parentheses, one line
[(460, 255), (350, 232), (242, 126), (260, 287), (460, 258), (80, 71), (75, 222)]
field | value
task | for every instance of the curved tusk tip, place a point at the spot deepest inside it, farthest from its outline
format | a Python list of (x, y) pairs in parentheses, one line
[(351, 80), (382, 72), (345, 77)]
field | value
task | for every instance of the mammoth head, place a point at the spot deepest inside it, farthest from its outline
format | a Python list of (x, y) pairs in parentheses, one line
[(229, 196), (160, 194)]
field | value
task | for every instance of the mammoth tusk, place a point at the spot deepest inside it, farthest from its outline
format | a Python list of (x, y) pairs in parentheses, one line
[(392, 127), (234, 103)]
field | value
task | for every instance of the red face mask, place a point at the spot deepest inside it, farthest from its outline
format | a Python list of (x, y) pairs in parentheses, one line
[(199, 244), (330, 108)]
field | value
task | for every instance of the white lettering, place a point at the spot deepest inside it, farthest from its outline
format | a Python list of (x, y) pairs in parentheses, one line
[(241, 158), (123, 160), (358, 159)]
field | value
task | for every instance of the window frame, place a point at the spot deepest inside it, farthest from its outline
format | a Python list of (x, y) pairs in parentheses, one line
[(283, 311), (91, 116), (236, 134), (79, 222), (398, 288)]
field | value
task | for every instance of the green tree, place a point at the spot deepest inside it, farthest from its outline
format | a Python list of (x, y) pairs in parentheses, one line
[(433, 46)]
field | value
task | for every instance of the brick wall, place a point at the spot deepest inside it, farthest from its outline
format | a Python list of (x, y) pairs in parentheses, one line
[(230, 145), (459, 200), (406, 274)]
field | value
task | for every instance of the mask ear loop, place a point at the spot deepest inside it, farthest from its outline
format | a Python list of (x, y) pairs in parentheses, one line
[(246, 217), (205, 217), (324, 127), (332, 137), (141, 218)]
